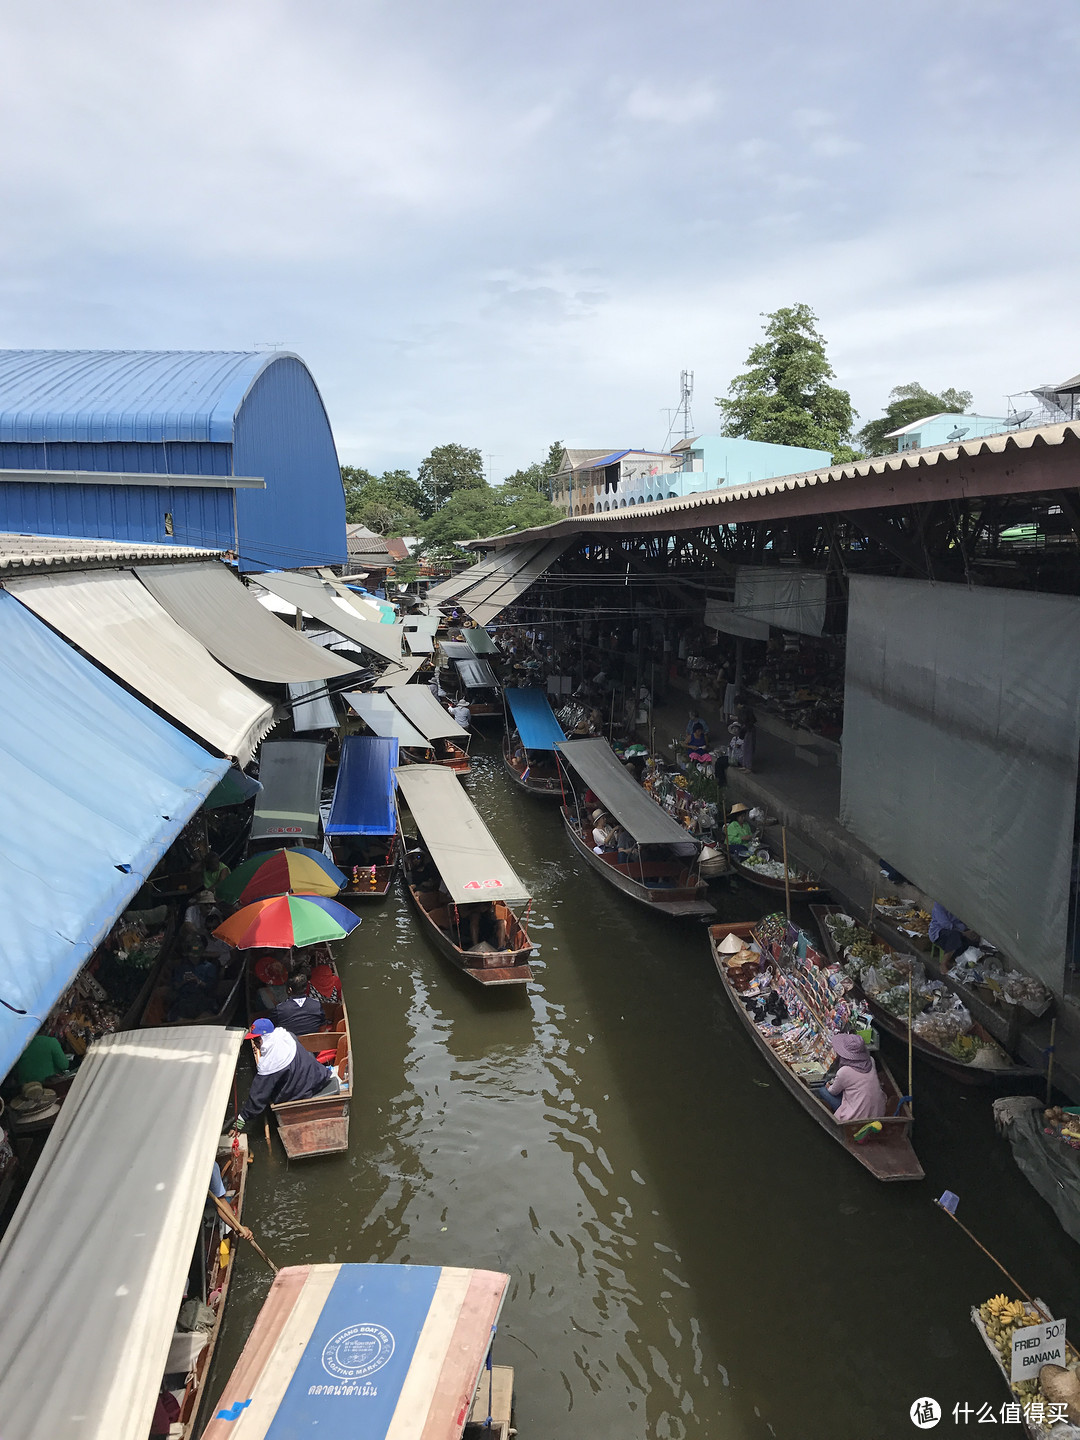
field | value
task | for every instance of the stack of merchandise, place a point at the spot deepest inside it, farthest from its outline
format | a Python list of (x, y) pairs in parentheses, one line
[(895, 981), (673, 793), (96, 1002)]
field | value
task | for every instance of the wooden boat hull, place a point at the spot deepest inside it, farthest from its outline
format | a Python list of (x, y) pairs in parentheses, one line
[(513, 970), (155, 1009), (366, 887), (687, 899), (319, 1125), (218, 1276), (895, 1027), (888, 1156), (767, 882), (545, 786)]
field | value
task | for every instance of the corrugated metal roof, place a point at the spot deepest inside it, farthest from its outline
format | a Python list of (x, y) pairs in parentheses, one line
[(29, 554), (125, 395), (726, 500)]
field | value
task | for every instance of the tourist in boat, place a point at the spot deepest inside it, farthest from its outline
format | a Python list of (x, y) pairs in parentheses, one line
[(854, 1092), (739, 833), (196, 984), (462, 713), (484, 924), (284, 1071), (603, 832), (625, 845), (302, 1012)]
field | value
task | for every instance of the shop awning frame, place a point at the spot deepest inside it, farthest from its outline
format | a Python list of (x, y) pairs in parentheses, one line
[(534, 718), (364, 800), (472, 866), (93, 1264), (314, 596), (287, 807), (383, 717), (114, 619), (311, 705), (88, 806), (218, 609), (420, 708), (477, 675), (601, 770)]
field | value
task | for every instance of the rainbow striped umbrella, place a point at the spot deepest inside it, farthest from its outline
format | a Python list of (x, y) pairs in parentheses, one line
[(287, 920), (282, 872)]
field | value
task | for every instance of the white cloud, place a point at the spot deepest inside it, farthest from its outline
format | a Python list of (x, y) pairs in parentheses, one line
[(676, 102)]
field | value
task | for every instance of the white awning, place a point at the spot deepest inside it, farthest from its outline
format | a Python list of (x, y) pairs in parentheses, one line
[(115, 620), (316, 597), (397, 673), (312, 708), (382, 717), (425, 712), (419, 643), (489, 600), (222, 614), (472, 866), (93, 1264)]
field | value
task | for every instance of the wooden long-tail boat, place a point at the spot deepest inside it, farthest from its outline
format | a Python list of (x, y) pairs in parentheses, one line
[(530, 759), (448, 740), (658, 874), (460, 873), (887, 1153), (320, 1124), (361, 826), (897, 1027), (371, 1350), (797, 883)]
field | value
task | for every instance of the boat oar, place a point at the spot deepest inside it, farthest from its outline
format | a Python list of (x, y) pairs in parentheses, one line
[(230, 1219)]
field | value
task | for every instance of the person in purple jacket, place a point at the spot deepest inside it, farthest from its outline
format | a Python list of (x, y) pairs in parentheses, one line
[(284, 1070), (854, 1092)]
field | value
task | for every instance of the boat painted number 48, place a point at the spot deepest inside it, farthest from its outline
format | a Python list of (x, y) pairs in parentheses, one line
[(483, 885)]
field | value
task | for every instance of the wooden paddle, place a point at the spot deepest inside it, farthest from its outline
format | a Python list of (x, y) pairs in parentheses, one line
[(231, 1219)]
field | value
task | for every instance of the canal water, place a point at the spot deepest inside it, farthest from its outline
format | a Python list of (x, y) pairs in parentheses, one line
[(690, 1255)]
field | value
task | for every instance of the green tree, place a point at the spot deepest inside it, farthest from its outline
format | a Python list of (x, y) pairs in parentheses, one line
[(536, 477), (448, 469), (908, 403), (472, 514), (784, 397), (389, 505)]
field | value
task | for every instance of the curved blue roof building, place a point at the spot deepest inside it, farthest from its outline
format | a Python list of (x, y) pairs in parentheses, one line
[(228, 449)]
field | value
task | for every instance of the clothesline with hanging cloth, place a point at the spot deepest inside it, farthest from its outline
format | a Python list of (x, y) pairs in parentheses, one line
[(94, 1262), (471, 865), (317, 598), (88, 806), (597, 765), (219, 610), (113, 618)]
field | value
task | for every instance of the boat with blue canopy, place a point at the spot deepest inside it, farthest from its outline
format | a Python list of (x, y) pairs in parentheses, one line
[(373, 1351), (529, 754), (362, 824)]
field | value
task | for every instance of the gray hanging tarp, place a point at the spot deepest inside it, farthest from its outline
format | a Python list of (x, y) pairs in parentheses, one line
[(961, 736), (1051, 1166), (597, 765), (721, 615), (777, 595)]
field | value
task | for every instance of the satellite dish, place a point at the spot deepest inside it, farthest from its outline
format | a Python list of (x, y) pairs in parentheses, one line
[(958, 433), (1018, 417)]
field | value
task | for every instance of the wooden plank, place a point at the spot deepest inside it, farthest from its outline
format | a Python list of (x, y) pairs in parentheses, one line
[(429, 1357), (501, 1400), (457, 1382), (257, 1353), (308, 1138)]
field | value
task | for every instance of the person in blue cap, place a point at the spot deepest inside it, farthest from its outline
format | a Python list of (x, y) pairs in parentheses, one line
[(284, 1070)]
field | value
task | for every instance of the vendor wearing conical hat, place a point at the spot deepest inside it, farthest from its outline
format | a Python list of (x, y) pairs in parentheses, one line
[(739, 833)]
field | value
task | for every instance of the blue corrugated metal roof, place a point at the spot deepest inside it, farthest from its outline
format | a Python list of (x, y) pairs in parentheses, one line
[(126, 395)]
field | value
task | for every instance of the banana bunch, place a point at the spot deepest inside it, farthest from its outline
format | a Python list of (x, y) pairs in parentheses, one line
[(1002, 1316)]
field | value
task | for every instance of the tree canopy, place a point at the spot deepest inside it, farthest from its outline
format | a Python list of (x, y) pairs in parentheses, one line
[(391, 504), (908, 403), (475, 511), (448, 469), (783, 397)]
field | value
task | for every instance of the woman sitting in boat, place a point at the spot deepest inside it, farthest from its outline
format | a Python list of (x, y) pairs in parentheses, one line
[(739, 833), (302, 1013), (697, 742), (284, 1070), (603, 833), (854, 1092)]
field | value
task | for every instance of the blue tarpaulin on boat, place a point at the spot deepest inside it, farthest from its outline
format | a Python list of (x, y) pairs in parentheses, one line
[(94, 788), (363, 801), (535, 719)]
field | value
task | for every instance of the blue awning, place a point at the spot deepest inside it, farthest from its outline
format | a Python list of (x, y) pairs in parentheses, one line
[(363, 801), (535, 719), (94, 788)]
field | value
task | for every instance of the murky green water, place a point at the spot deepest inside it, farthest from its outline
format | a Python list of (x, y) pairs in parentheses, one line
[(691, 1256)]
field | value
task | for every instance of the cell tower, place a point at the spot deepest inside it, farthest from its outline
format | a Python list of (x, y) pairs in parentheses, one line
[(683, 415)]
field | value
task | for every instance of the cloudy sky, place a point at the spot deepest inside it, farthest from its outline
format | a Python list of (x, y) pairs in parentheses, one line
[(502, 224)]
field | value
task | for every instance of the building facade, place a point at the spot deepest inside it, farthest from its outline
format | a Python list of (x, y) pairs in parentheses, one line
[(231, 450)]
